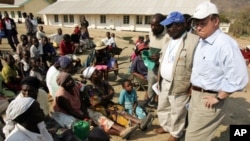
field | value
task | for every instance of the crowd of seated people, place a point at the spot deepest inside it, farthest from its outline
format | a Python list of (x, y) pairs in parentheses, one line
[(38, 63)]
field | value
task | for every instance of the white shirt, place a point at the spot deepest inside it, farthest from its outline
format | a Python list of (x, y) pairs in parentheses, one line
[(219, 65), (34, 22), (8, 24), (21, 134), (26, 65), (108, 41), (36, 74), (40, 34), (56, 38), (51, 76), (35, 52), (169, 58)]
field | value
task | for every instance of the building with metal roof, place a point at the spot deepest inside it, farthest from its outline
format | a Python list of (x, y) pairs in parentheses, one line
[(30, 6), (133, 15)]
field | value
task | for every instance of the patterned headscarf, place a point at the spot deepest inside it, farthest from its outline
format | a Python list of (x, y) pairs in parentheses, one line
[(61, 78), (64, 61)]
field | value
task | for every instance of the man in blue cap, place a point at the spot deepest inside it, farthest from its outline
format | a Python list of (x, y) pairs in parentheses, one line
[(174, 76)]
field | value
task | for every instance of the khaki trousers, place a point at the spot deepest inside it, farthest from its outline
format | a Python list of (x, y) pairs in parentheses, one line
[(171, 110), (203, 121)]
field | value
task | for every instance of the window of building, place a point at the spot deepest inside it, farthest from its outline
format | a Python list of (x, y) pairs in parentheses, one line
[(147, 19), (126, 19), (19, 14), (1, 13), (138, 19), (103, 19), (65, 18), (12, 13), (71, 18), (5, 12), (56, 19)]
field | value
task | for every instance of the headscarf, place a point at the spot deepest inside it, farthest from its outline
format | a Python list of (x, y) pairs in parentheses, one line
[(64, 61), (87, 73), (16, 108), (61, 78), (32, 81)]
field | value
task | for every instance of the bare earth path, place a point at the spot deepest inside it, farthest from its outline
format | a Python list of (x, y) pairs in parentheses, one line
[(238, 110)]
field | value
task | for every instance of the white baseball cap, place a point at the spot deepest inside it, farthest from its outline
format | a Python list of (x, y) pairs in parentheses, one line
[(205, 9)]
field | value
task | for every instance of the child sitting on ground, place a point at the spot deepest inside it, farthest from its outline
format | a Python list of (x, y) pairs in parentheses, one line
[(128, 98), (24, 63), (36, 72)]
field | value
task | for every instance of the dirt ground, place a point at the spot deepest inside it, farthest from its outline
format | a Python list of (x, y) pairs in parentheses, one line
[(238, 110)]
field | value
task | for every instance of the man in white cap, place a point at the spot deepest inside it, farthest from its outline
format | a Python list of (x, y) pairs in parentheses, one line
[(218, 71), (174, 74)]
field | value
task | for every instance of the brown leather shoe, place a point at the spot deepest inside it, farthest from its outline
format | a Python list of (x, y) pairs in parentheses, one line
[(160, 130), (172, 138)]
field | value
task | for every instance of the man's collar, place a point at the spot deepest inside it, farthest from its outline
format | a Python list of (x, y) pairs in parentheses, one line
[(210, 40)]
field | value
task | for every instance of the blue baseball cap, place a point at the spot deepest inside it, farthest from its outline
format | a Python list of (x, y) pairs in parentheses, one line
[(174, 17)]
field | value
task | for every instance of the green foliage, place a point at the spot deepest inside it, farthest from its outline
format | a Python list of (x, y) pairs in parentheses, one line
[(224, 19), (241, 25), (51, 1)]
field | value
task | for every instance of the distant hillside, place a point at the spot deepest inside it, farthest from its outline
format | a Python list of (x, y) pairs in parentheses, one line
[(231, 7)]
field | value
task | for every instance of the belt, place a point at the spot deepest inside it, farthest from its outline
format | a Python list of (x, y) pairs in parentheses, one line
[(202, 90)]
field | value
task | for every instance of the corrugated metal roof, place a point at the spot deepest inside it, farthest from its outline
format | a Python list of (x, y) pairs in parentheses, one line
[(131, 7), (16, 4)]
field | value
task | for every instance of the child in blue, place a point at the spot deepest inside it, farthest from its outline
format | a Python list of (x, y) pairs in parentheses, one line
[(128, 98)]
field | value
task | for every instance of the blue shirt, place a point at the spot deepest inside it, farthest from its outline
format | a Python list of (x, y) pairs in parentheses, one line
[(128, 99), (219, 65)]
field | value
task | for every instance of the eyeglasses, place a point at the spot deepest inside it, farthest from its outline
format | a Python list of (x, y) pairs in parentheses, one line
[(200, 23)]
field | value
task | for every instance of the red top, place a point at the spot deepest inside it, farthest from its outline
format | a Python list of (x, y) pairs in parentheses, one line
[(66, 48), (246, 54)]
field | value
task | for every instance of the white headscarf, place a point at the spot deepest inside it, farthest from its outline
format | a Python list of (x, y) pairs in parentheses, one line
[(17, 107), (87, 73)]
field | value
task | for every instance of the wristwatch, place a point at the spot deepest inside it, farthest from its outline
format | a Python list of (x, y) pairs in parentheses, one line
[(219, 99)]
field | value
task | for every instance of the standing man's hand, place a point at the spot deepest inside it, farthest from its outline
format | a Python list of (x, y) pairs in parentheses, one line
[(210, 101)]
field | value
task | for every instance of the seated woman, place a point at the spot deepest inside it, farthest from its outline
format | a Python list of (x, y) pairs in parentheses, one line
[(69, 107), (49, 52), (66, 46), (138, 68), (101, 94), (25, 121), (103, 60), (10, 74), (84, 38), (24, 63), (5, 93), (31, 88)]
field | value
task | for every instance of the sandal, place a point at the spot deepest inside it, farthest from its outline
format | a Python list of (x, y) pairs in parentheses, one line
[(146, 121), (160, 130), (127, 132)]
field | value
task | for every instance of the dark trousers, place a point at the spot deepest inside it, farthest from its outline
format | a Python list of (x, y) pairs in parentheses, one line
[(12, 39)]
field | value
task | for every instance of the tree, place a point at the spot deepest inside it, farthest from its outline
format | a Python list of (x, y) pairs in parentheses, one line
[(241, 25), (224, 19), (52, 1)]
